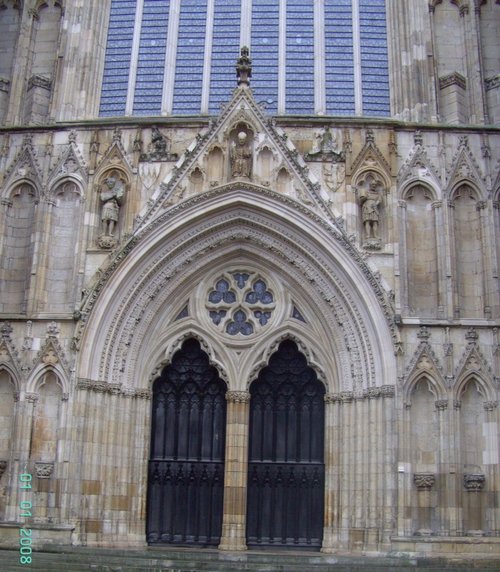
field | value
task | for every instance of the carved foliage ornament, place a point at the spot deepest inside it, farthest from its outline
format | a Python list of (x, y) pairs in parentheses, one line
[(474, 482), (424, 481), (44, 470)]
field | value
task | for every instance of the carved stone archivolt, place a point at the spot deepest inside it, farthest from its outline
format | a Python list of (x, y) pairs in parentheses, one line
[(204, 243)]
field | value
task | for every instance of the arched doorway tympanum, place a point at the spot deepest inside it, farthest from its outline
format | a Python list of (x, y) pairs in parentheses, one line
[(286, 453), (186, 465)]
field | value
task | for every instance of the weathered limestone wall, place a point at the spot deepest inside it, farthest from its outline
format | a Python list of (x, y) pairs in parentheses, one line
[(383, 483)]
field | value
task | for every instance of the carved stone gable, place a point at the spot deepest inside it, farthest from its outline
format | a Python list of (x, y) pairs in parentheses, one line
[(241, 145), (473, 361), (464, 167), (25, 167), (424, 360), (418, 167), (371, 158), (70, 164)]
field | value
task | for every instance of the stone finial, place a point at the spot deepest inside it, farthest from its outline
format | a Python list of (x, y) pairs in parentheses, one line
[(244, 67), (474, 482), (424, 481)]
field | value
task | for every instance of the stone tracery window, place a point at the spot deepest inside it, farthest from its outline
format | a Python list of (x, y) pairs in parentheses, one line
[(240, 303)]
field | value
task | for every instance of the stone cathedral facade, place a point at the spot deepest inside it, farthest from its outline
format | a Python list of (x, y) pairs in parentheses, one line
[(253, 306)]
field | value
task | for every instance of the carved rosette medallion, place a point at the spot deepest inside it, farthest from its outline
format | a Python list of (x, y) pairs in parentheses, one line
[(424, 481), (44, 470), (238, 396), (474, 482)]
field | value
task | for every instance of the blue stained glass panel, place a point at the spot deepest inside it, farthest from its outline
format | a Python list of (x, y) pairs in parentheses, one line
[(264, 52), (374, 59), (339, 65), (300, 57), (117, 59), (225, 51), (151, 61), (190, 57)]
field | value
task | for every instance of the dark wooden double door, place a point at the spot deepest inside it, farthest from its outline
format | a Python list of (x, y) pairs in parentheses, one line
[(286, 462), (286, 468)]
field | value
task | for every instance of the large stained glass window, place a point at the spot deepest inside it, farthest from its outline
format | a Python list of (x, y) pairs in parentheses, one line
[(178, 56)]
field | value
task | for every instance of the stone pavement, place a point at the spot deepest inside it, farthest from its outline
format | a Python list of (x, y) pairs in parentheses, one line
[(76, 559)]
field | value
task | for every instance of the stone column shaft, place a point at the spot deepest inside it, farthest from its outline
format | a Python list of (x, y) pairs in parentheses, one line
[(236, 472)]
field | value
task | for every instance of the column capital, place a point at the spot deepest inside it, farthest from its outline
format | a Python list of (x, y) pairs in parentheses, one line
[(424, 481), (238, 396)]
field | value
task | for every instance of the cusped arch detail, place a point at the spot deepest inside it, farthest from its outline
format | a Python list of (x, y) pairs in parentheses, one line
[(435, 384), (37, 379), (409, 187), (315, 356), (474, 191), (174, 341), (484, 386), (13, 377)]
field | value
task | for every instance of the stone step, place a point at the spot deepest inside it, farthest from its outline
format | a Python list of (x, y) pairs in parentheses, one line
[(78, 559)]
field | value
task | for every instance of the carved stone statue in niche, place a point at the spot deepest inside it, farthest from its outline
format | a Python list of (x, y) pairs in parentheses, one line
[(241, 156), (370, 200), (112, 193)]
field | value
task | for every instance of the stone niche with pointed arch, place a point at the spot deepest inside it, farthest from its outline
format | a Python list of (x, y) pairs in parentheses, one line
[(241, 155)]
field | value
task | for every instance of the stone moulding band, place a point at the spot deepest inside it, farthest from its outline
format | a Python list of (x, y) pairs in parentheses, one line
[(112, 389)]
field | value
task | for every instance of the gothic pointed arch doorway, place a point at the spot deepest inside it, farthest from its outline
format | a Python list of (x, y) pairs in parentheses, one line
[(186, 464), (286, 453)]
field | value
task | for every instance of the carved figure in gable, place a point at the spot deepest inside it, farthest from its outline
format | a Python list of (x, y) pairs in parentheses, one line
[(241, 156), (370, 200), (159, 148), (112, 195), (325, 147)]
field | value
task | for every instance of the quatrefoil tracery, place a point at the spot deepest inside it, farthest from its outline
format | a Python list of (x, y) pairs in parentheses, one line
[(240, 303)]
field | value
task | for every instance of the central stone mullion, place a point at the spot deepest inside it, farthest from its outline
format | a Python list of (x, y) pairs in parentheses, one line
[(236, 470)]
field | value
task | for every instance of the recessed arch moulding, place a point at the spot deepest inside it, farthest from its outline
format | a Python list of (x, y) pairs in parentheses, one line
[(129, 327)]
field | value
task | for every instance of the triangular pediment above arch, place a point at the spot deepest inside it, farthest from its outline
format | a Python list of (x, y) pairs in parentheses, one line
[(418, 167), (70, 164), (371, 158), (114, 157), (25, 167), (9, 356), (424, 361), (242, 146), (465, 168), (473, 362), (52, 355)]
